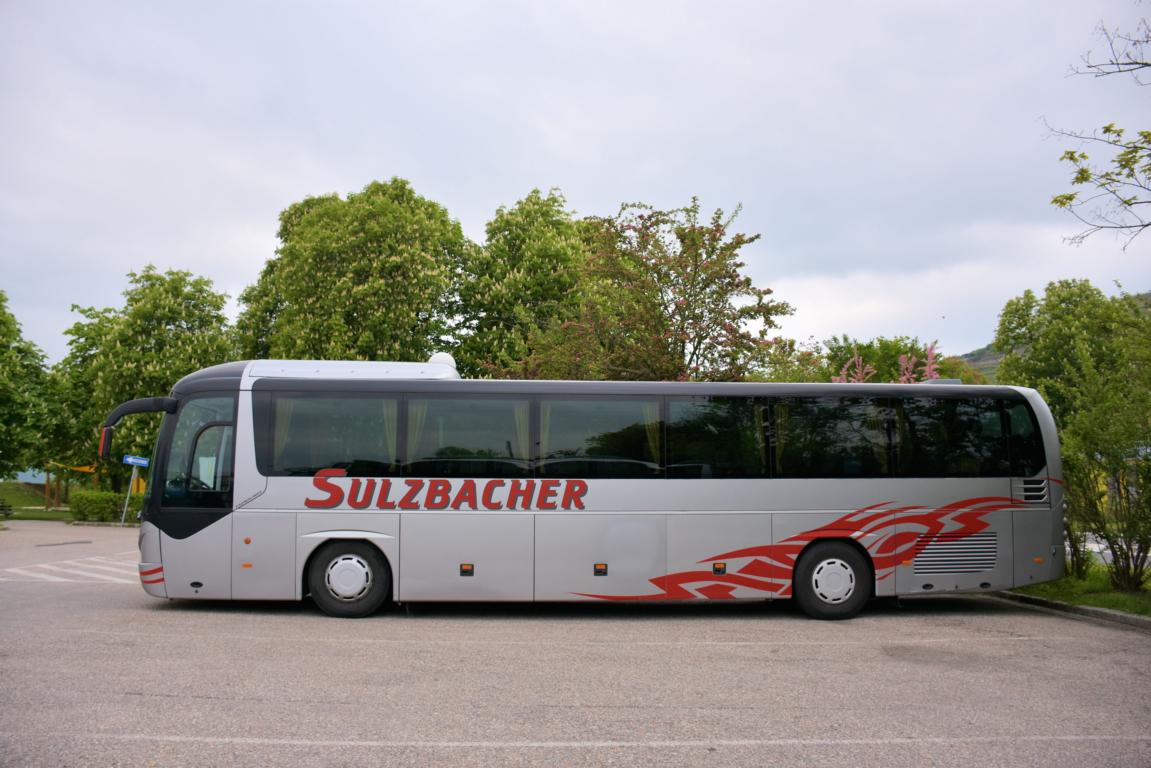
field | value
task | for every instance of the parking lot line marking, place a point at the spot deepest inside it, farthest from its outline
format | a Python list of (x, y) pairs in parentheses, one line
[(34, 575), (592, 744), (425, 641), (113, 561), (124, 569), (86, 574)]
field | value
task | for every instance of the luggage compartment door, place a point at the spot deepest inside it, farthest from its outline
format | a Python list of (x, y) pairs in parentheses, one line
[(470, 556), (587, 557)]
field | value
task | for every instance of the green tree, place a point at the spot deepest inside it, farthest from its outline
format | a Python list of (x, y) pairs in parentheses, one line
[(521, 280), (367, 277), (791, 361), (1107, 454), (661, 296), (22, 392), (901, 358), (1117, 191), (1046, 342), (1090, 357), (170, 325)]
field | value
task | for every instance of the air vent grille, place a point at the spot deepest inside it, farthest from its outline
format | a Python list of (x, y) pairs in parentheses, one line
[(1031, 491), (956, 553)]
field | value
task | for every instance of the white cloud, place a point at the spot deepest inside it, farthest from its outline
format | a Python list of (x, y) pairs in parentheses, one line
[(859, 138), (957, 303)]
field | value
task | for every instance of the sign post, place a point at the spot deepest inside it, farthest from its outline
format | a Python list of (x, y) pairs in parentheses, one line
[(135, 462)]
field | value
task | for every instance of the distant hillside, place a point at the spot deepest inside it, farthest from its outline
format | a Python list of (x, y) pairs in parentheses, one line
[(986, 360)]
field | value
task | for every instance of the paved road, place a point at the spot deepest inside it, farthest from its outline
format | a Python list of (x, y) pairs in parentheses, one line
[(94, 672)]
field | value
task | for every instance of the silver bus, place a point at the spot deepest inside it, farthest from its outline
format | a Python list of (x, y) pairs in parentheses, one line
[(365, 483)]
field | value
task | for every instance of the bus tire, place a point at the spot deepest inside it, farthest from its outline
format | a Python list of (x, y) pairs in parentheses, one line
[(349, 579), (832, 581)]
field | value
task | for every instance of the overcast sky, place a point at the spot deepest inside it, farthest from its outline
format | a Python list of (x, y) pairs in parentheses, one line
[(893, 155)]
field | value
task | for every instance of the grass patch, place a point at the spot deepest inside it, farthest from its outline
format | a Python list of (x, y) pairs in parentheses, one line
[(20, 495), (41, 514), (1095, 591)]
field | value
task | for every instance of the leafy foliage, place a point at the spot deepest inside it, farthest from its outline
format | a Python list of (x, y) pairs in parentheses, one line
[(524, 278), (1090, 356), (22, 390), (1118, 190), (171, 324), (661, 296), (103, 506), (788, 360), (368, 277), (1049, 342), (900, 359)]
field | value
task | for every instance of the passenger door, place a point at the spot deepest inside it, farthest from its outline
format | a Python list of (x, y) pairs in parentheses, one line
[(194, 517)]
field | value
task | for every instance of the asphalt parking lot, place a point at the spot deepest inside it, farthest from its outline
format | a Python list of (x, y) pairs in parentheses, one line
[(95, 672)]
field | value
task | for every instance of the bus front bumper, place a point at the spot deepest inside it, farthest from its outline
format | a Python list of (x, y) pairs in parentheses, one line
[(152, 579)]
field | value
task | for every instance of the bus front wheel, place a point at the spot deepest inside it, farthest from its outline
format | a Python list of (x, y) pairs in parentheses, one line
[(349, 579), (832, 581)]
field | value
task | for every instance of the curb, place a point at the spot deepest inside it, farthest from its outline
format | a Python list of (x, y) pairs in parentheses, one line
[(103, 524), (1086, 611)]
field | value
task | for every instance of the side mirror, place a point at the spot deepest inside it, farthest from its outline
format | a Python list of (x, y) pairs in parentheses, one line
[(105, 451)]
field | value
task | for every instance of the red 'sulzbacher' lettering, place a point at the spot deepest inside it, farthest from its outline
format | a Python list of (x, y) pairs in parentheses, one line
[(548, 491), (409, 500), (521, 493), (489, 501), (357, 501), (466, 495), (573, 494), (383, 502), (440, 493), (335, 492)]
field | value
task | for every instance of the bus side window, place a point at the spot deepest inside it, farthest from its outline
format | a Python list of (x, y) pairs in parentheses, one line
[(950, 437), (198, 472), (211, 466), (1026, 444), (300, 433), (712, 436), (468, 437), (607, 437), (830, 437)]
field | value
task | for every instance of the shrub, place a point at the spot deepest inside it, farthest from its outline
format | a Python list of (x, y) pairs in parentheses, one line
[(103, 506)]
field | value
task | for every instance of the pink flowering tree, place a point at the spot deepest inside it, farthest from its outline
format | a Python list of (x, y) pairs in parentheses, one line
[(901, 359)]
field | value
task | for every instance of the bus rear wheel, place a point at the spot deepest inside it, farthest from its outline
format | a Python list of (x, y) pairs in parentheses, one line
[(349, 579), (832, 581)]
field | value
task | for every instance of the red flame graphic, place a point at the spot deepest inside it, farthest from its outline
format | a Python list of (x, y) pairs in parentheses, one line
[(891, 534)]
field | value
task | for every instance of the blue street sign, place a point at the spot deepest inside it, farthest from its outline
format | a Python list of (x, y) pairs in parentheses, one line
[(136, 461)]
